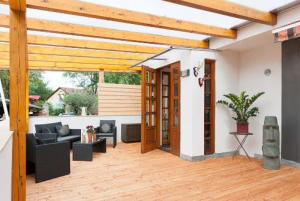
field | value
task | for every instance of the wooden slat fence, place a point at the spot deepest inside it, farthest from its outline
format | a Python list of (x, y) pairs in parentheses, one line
[(119, 99)]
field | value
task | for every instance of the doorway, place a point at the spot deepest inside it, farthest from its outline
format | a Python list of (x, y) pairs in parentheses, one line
[(161, 108), (209, 107)]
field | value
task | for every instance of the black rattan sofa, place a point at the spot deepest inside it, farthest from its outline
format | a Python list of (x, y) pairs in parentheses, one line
[(47, 160), (112, 132), (73, 136)]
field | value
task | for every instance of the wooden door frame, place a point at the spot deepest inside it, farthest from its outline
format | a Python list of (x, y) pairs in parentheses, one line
[(143, 106), (158, 103), (179, 106), (213, 103)]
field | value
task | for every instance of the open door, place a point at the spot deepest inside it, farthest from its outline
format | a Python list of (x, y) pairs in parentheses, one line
[(175, 108), (149, 110)]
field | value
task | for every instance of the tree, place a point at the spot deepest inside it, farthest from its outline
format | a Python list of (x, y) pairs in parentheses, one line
[(4, 76), (37, 86), (78, 100), (122, 78), (88, 80)]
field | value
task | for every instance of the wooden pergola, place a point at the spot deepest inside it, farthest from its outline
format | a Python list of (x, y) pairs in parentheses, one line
[(26, 52)]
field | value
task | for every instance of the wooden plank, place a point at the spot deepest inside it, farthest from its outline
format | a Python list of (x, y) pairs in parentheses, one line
[(44, 50), (71, 59), (19, 101), (104, 101), (78, 69), (117, 110), (121, 15), (121, 113), (230, 9), (121, 105), (130, 90), (85, 44), (18, 5), (120, 93), (49, 65), (80, 30), (109, 85), (163, 176)]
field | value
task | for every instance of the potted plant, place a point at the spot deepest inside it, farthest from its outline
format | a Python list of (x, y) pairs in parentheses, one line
[(241, 106), (91, 133)]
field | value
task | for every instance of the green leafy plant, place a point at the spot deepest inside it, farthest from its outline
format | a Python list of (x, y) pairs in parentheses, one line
[(241, 106), (77, 100)]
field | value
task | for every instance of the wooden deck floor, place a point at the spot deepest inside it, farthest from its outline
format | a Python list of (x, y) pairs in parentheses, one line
[(125, 174)]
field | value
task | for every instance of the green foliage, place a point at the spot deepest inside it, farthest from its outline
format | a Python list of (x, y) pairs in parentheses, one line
[(241, 104), (4, 76), (55, 111), (87, 80), (36, 84), (76, 101), (122, 78)]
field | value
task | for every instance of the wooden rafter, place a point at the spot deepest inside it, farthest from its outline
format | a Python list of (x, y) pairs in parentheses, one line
[(80, 30), (71, 59), (18, 5), (85, 9), (42, 50), (62, 65), (85, 44), (231, 9), (79, 69)]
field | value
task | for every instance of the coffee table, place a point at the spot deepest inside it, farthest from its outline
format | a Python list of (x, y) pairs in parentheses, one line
[(84, 151)]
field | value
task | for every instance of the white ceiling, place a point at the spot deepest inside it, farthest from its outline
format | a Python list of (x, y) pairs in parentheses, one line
[(157, 7)]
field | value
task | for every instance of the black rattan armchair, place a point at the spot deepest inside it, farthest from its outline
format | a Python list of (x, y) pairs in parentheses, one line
[(47, 161), (111, 133)]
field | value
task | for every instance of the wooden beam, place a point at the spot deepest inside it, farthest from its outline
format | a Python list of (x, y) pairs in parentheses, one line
[(19, 98), (62, 65), (71, 60), (85, 9), (85, 44), (42, 50), (80, 30), (17, 5), (230, 9), (79, 69)]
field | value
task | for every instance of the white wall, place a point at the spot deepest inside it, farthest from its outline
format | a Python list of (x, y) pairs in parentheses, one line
[(80, 122), (5, 164), (252, 79), (253, 29), (192, 99)]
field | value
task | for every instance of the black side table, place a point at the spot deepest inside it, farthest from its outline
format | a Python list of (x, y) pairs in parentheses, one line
[(84, 151), (240, 142)]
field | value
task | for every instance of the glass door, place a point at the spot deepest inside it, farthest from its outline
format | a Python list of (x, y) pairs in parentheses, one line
[(165, 109), (149, 110)]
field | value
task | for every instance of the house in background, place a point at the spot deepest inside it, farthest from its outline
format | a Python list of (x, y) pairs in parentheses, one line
[(55, 99)]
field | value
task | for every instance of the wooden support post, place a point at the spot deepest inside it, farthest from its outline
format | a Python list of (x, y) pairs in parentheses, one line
[(101, 77), (101, 80), (18, 100)]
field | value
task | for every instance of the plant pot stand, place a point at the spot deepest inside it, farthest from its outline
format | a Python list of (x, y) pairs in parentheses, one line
[(240, 143)]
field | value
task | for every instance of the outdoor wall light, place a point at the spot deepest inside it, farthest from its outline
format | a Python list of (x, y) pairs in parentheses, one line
[(267, 72)]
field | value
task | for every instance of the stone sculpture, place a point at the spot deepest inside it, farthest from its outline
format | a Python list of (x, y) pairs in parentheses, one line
[(271, 150)]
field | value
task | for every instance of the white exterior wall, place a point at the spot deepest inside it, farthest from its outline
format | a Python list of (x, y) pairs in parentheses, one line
[(252, 79), (80, 122), (192, 99), (55, 99), (5, 164)]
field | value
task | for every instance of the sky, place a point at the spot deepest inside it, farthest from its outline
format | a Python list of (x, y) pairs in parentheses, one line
[(56, 79)]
